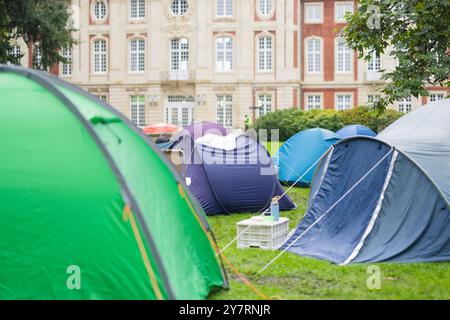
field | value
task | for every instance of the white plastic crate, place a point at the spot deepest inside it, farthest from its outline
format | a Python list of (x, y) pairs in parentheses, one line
[(262, 233)]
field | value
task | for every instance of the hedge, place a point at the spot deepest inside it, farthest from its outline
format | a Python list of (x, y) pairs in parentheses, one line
[(291, 121)]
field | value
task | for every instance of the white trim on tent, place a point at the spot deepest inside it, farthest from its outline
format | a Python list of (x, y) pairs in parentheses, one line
[(376, 212), (327, 163)]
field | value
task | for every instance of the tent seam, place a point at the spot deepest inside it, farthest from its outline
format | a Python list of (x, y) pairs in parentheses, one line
[(375, 213)]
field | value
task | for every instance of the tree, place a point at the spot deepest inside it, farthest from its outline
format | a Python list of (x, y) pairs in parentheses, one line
[(415, 33), (37, 22)]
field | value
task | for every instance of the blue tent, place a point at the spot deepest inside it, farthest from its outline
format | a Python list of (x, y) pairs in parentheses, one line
[(300, 152), (230, 180), (355, 130), (384, 198)]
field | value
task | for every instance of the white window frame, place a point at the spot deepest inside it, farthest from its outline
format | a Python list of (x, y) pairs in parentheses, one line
[(265, 58), (179, 56), (316, 101), (37, 58), (179, 7), (405, 105), (374, 64), (372, 97), (94, 9), (16, 51), (140, 8), (102, 55), (103, 97), (436, 94), (309, 5), (178, 107), (315, 54), (344, 53), (349, 102), (66, 68), (265, 103), (137, 61), (224, 54), (337, 5), (137, 110), (227, 7), (265, 8), (224, 110)]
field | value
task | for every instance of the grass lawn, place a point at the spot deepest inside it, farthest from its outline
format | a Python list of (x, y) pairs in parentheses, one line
[(295, 277)]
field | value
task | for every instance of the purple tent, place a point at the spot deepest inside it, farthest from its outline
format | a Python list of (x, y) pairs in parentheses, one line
[(230, 181)]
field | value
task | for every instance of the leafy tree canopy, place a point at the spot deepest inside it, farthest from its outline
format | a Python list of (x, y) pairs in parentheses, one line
[(42, 22), (414, 32)]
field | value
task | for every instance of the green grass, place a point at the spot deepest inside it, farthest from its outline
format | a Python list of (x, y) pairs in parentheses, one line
[(295, 277)]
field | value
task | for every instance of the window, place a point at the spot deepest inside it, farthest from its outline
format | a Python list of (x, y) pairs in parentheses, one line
[(67, 66), (179, 54), (265, 53), (103, 97), (16, 52), (436, 97), (264, 104), (224, 54), (37, 58), (224, 8), (374, 63), (178, 110), (405, 105), (313, 101), (314, 55), (179, 7), (99, 56), (99, 10), (265, 7), (343, 102), (344, 57), (313, 13), (341, 8), (138, 110), (137, 55), (137, 9), (371, 98), (225, 110)]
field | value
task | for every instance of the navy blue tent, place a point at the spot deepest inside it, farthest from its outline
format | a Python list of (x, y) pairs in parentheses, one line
[(298, 154), (355, 130), (231, 178), (384, 198)]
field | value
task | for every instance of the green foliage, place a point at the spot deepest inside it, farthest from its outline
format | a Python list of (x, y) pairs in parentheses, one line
[(35, 21), (415, 33), (291, 121)]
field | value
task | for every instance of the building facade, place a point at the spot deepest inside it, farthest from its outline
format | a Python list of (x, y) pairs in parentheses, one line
[(179, 61)]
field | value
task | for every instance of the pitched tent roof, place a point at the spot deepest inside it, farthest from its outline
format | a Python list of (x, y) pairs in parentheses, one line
[(355, 130), (83, 188), (371, 201), (231, 180), (298, 155)]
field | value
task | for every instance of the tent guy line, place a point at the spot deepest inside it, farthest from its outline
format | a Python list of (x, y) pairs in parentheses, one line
[(327, 211)]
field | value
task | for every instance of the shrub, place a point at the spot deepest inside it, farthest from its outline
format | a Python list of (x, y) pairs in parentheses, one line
[(291, 121)]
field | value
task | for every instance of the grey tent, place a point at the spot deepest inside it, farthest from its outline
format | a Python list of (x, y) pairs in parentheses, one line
[(385, 198)]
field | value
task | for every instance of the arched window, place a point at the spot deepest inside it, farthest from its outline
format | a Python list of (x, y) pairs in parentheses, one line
[(265, 7), (344, 56), (314, 55), (265, 53), (179, 54), (179, 7), (100, 10), (137, 55), (224, 54), (99, 56), (374, 64)]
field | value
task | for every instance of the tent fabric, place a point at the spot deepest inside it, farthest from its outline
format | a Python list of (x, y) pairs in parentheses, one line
[(72, 196), (424, 135), (397, 213), (301, 151), (231, 181), (355, 130)]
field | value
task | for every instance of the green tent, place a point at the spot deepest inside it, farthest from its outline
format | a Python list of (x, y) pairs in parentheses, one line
[(88, 208)]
